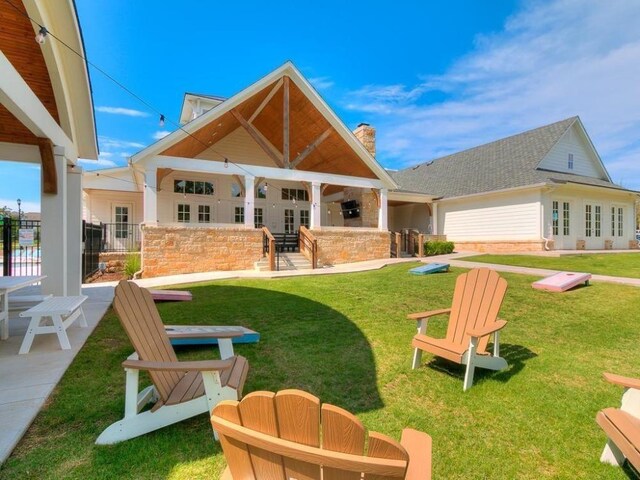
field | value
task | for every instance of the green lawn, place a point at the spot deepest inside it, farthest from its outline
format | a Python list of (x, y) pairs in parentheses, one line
[(345, 338), (615, 264)]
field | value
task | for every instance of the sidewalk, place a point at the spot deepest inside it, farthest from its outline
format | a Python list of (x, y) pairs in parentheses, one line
[(27, 380)]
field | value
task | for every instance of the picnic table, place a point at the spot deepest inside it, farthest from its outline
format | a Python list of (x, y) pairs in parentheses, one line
[(10, 284)]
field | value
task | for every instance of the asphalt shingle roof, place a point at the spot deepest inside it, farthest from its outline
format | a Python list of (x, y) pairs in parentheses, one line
[(507, 163)]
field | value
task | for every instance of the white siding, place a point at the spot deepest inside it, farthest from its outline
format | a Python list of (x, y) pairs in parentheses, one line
[(98, 205), (505, 217), (585, 161), (415, 216)]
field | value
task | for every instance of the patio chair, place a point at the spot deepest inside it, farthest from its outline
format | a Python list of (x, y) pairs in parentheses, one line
[(473, 318), (278, 436), (180, 390), (622, 425)]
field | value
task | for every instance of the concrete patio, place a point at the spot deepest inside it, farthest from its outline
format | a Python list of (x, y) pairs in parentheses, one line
[(26, 381)]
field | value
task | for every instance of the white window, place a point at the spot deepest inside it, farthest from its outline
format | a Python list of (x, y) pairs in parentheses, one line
[(288, 220), (204, 214), (566, 224), (236, 190), (121, 219), (620, 221), (258, 217), (554, 217), (193, 187), (295, 194), (598, 220), (261, 191), (613, 221), (587, 220), (570, 162), (304, 218), (184, 213), (238, 216)]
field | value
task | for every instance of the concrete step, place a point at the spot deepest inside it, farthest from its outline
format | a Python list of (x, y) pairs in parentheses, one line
[(288, 261)]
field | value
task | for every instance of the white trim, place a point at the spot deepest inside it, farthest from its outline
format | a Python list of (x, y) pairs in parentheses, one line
[(20, 100), (413, 197), (18, 152), (287, 69), (212, 166)]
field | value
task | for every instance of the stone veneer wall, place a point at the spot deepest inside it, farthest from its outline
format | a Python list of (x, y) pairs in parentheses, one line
[(176, 250), (499, 247), (340, 245)]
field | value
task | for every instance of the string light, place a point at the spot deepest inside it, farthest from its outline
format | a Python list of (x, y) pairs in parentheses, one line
[(162, 120), (41, 37), (226, 162)]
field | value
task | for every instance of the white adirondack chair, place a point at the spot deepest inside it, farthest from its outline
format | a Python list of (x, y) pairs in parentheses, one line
[(180, 390)]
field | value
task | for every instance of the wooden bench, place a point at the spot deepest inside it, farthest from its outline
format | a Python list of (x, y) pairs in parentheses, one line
[(63, 311), (622, 425), (286, 241), (288, 435)]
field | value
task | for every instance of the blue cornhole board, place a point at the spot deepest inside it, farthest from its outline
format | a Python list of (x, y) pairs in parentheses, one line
[(430, 268), (249, 336)]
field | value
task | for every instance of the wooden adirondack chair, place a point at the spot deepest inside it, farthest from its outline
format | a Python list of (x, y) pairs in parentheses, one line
[(277, 436), (473, 318), (180, 390), (622, 425)]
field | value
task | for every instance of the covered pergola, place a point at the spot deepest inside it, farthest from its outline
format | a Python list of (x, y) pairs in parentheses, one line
[(46, 118), (301, 138)]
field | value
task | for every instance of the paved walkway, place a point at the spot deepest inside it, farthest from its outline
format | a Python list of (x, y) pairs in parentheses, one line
[(27, 380)]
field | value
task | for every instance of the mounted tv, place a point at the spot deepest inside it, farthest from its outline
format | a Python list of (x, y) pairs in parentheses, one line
[(350, 209)]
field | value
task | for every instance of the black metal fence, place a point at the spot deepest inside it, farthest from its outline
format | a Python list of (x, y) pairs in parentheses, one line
[(120, 237), (21, 254), (91, 247)]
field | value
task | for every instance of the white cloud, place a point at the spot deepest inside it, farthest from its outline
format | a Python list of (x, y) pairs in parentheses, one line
[(129, 112), (321, 83), (102, 162), (552, 60), (160, 134), (108, 143)]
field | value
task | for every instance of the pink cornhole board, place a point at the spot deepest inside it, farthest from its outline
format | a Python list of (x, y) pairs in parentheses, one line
[(562, 281), (170, 295)]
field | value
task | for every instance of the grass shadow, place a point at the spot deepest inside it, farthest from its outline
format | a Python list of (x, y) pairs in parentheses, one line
[(515, 355)]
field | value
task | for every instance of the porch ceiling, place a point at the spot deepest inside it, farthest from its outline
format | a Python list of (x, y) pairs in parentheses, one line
[(18, 45), (306, 126)]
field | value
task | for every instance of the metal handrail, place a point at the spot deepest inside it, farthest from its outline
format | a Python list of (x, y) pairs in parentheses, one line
[(269, 248), (307, 242)]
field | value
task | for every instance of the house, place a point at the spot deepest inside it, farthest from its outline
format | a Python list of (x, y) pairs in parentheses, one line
[(546, 188), (46, 118), (273, 158)]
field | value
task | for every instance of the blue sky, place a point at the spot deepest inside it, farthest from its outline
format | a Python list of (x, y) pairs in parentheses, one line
[(432, 77)]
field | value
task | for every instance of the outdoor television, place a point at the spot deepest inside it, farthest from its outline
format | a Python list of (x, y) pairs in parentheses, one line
[(350, 209)]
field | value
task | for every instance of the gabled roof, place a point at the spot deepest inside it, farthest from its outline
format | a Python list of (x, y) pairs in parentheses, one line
[(508, 163), (310, 117)]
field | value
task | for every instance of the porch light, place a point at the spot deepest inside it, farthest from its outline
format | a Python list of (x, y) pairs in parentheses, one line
[(161, 120), (41, 37)]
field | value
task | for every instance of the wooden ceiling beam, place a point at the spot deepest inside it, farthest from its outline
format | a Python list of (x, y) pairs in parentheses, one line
[(257, 137), (285, 123), (161, 175), (311, 147), (49, 175), (266, 100)]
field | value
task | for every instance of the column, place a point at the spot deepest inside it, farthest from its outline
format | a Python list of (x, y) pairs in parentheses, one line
[(316, 202), (434, 218), (54, 230), (151, 196), (74, 230), (249, 200), (383, 211)]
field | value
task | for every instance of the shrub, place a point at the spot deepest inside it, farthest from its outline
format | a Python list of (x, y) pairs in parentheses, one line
[(438, 248), (132, 264)]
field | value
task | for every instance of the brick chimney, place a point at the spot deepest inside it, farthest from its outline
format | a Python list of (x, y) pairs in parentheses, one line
[(367, 136)]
